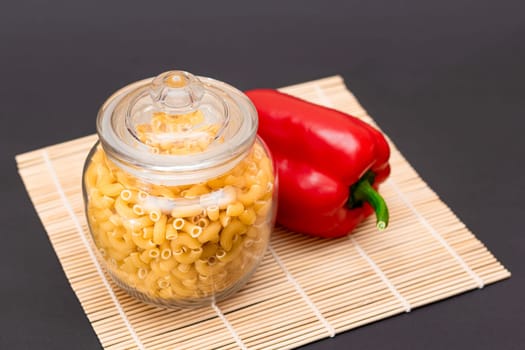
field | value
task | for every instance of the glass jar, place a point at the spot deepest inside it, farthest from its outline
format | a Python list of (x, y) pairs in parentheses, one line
[(180, 194)]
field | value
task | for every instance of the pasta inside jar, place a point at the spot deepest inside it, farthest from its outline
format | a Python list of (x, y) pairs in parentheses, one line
[(165, 239)]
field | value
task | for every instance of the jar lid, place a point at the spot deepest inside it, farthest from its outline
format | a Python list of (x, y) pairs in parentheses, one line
[(177, 128)]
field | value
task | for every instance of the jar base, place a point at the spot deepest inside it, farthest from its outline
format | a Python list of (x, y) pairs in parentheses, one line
[(185, 303)]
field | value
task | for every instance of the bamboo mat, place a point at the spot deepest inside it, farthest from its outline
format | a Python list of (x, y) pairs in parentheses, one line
[(306, 288)]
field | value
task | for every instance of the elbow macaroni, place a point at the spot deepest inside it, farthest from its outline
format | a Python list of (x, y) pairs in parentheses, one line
[(189, 252)]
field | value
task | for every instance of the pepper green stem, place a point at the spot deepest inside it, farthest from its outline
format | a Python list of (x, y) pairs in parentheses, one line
[(363, 191)]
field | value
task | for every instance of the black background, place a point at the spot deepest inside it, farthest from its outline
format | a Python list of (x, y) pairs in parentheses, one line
[(444, 79)]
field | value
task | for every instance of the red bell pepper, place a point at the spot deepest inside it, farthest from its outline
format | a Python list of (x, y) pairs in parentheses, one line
[(329, 164)]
